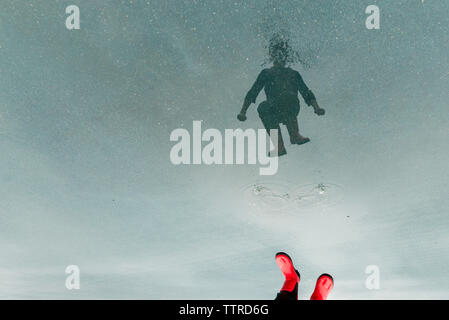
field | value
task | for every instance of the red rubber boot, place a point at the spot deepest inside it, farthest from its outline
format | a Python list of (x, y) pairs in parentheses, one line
[(289, 290), (323, 287)]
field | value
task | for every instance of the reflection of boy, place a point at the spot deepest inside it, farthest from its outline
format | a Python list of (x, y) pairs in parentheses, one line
[(281, 85)]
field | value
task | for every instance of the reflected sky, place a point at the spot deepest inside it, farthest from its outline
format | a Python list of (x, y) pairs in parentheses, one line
[(86, 178)]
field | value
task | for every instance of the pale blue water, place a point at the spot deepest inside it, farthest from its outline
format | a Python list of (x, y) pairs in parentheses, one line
[(85, 174)]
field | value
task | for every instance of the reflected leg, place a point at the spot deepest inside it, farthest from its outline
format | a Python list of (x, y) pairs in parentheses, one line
[(270, 121)]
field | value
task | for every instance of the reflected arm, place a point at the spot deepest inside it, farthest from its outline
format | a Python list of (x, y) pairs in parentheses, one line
[(252, 94)]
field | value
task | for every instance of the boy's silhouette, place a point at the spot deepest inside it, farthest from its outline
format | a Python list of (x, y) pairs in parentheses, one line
[(281, 85)]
